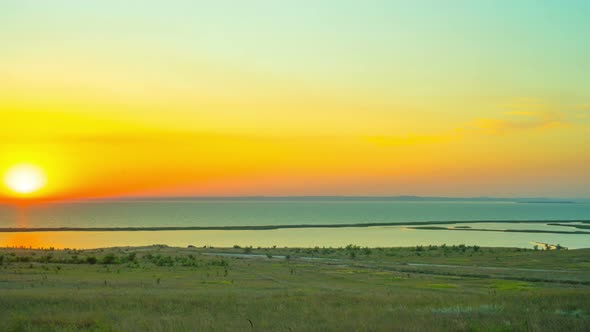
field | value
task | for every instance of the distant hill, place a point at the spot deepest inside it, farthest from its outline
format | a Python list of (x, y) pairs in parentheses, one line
[(530, 200)]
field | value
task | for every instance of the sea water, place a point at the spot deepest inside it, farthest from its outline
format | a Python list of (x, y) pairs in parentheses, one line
[(291, 211)]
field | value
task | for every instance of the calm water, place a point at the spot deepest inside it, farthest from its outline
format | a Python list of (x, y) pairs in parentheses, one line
[(269, 212), (254, 212)]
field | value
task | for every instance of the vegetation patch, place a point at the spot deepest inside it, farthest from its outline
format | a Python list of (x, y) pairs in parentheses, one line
[(509, 285), (217, 282), (423, 288), (441, 286), (577, 313), (482, 309)]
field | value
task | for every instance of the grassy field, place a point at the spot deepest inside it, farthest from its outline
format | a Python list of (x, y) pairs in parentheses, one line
[(159, 288)]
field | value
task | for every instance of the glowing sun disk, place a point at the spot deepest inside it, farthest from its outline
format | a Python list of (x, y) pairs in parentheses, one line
[(25, 179)]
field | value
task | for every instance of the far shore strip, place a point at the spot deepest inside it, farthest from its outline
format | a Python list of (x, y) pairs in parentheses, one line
[(273, 227)]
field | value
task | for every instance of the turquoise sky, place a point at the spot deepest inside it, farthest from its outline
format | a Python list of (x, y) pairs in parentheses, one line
[(401, 47)]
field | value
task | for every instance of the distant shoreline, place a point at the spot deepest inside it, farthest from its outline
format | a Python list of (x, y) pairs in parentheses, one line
[(402, 198), (274, 227)]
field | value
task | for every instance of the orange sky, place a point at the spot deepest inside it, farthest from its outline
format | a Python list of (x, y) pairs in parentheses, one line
[(126, 158)]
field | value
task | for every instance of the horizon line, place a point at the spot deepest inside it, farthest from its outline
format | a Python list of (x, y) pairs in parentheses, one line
[(408, 198), (404, 197)]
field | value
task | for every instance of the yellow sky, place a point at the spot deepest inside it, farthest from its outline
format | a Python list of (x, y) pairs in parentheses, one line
[(93, 154)]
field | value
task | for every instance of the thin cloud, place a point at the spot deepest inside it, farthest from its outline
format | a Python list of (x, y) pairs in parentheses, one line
[(582, 107), (407, 140), (521, 115), (518, 122)]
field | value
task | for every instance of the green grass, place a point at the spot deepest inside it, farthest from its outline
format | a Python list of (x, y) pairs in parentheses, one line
[(175, 289), (508, 285), (441, 286)]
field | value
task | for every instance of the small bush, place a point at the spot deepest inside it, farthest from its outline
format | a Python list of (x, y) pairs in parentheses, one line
[(219, 262), (132, 257), (164, 261), (109, 259), (24, 259)]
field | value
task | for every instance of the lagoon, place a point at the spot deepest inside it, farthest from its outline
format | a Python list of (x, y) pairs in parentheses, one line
[(291, 211)]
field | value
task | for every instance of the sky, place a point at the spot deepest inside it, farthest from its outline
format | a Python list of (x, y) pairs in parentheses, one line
[(228, 98)]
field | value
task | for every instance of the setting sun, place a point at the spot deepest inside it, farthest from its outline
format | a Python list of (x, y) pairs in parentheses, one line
[(25, 179)]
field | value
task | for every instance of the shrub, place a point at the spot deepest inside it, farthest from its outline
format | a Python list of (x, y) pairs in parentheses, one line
[(352, 247), (165, 261), (24, 259), (109, 259), (132, 257), (91, 260), (220, 262), (74, 259)]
